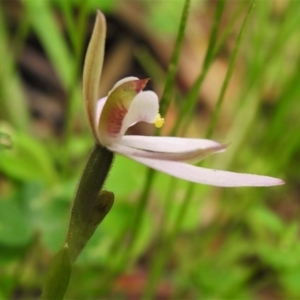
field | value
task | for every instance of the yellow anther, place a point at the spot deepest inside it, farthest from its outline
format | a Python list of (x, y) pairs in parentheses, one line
[(159, 121)]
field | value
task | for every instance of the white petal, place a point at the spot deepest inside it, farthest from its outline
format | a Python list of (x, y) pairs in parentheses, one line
[(116, 108), (168, 144), (99, 106), (191, 155), (207, 176), (118, 83), (144, 107)]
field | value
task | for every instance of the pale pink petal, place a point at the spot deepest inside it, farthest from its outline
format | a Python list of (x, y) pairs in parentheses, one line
[(207, 176), (169, 144), (144, 107), (118, 83), (99, 106), (190, 155)]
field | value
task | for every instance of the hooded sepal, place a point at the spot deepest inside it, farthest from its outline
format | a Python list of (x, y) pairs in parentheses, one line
[(116, 108), (92, 70)]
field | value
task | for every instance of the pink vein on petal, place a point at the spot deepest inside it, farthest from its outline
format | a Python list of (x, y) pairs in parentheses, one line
[(115, 120)]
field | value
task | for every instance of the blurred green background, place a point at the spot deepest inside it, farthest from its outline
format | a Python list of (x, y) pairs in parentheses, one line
[(193, 241)]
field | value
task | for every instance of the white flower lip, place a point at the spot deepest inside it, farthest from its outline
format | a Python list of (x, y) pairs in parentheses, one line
[(127, 104), (171, 155)]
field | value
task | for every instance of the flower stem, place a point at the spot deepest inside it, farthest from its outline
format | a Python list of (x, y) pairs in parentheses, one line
[(173, 65), (164, 251), (89, 201), (58, 275), (230, 69), (90, 206), (134, 228), (189, 103)]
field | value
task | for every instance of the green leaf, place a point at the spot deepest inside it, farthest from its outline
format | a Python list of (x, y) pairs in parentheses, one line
[(14, 226), (216, 282), (12, 98), (50, 218), (5, 141), (262, 219), (290, 281), (104, 5), (44, 24), (124, 185), (29, 159)]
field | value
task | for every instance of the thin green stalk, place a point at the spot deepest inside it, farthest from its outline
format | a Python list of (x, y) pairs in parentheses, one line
[(173, 65), (261, 57), (85, 202), (58, 276), (285, 108), (230, 69), (228, 30), (158, 260), (164, 104), (163, 254), (283, 36), (157, 270), (150, 64), (248, 111), (67, 10), (192, 96), (73, 94), (44, 24), (90, 206), (158, 265), (20, 36), (198, 83), (78, 47), (12, 98), (139, 214), (134, 226)]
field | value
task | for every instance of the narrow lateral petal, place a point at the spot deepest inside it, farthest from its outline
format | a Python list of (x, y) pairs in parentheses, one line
[(93, 68), (184, 156), (115, 109), (99, 106), (143, 108), (169, 144), (207, 176)]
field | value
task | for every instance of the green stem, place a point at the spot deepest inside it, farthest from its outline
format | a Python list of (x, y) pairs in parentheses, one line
[(135, 229), (173, 65), (140, 210), (86, 199), (164, 104), (230, 69), (192, 96), (90, 206), (161, 257), (58, 276), (143, 199), (166, 247), (72, 94), (164, 251)]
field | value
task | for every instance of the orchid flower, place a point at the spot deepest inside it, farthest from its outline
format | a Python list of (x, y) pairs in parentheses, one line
[(127, 104)]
